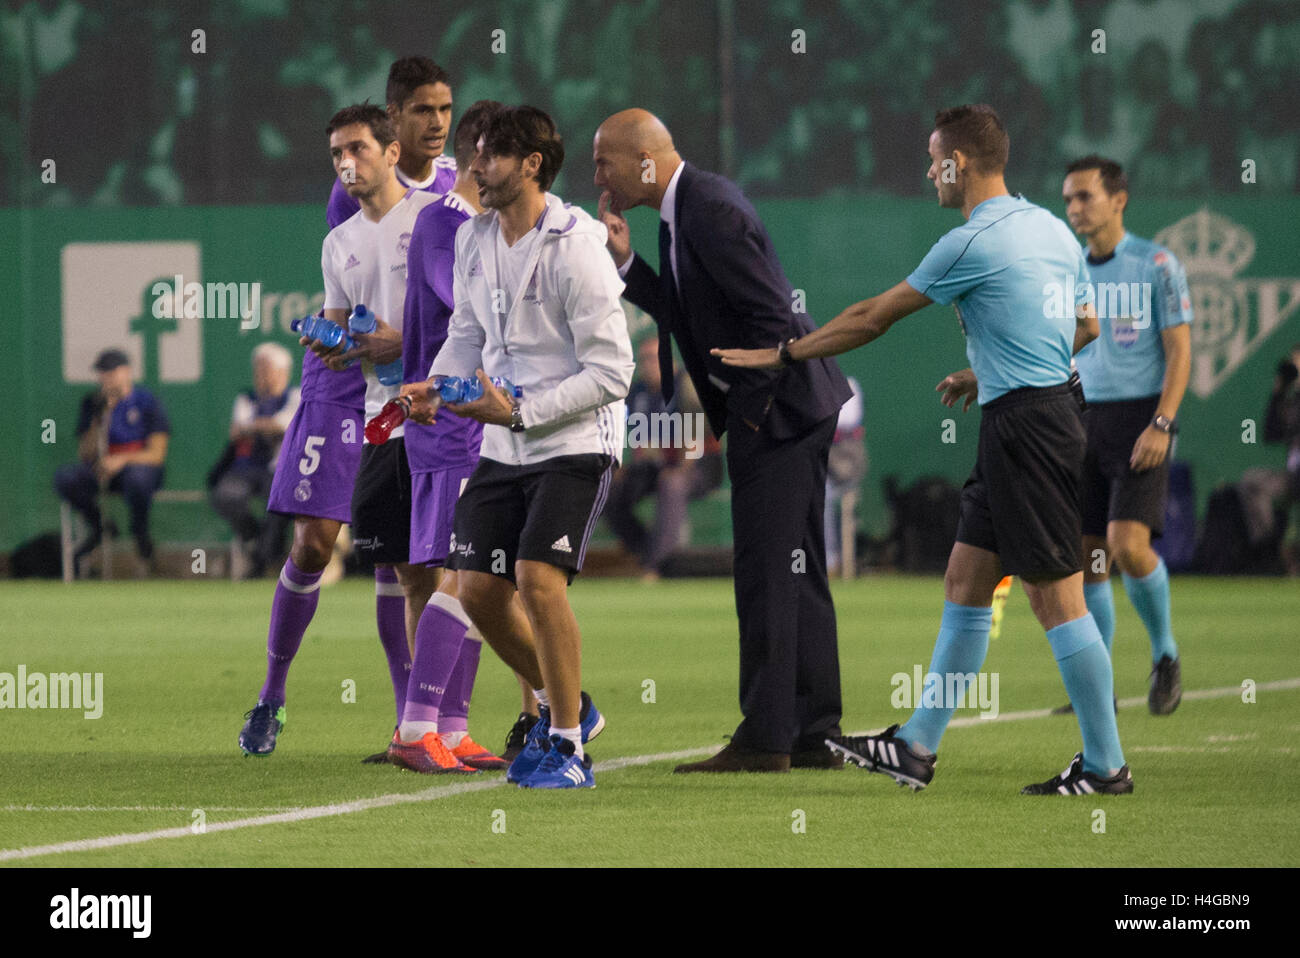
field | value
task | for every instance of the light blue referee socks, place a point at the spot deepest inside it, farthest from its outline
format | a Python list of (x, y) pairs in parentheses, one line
[(1150, 596), (1101, 603), (1085, 667), (962, 644)]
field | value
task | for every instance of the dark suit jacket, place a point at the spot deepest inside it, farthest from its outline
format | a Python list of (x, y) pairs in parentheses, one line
[(734, 294)]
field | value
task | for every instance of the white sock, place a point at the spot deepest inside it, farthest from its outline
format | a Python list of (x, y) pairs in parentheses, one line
[(542, 698), (574, 735), (414, 731), (452, 739)]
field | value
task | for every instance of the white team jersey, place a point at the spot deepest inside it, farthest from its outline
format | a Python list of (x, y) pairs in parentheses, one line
[(365, 262)]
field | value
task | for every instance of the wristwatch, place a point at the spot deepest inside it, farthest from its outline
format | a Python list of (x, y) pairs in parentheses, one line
[(516, 419), (1165, 425), (783, 352)]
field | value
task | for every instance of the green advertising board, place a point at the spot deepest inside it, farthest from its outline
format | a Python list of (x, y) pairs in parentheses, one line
[(89, 278)]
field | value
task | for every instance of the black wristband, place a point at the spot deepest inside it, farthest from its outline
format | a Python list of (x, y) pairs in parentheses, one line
[(783, 352)]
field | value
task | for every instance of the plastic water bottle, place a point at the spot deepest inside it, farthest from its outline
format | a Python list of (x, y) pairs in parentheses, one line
[(390, 417), (467, 389), (362, 320), (321, 329)]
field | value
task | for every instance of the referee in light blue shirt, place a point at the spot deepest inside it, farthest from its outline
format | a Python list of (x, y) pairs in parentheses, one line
[(1134, 377), (1020, 287)]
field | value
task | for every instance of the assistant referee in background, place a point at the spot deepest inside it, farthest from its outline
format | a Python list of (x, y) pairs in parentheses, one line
[(1134, 377)]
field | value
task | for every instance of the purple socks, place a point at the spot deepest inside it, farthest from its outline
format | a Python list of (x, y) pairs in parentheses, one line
[(460, 687), (292, 609), (390, 615), (438, 642)]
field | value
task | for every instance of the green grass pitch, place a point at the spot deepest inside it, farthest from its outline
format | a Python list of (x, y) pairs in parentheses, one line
[(1216, 783)]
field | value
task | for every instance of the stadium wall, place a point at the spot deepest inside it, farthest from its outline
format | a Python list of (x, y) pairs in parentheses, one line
[(84, 279)]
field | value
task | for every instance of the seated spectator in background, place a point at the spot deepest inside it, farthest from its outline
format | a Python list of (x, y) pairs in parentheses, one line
[(845, 469), (1282, 425), (122, 433), (667, 474), (257, 425)]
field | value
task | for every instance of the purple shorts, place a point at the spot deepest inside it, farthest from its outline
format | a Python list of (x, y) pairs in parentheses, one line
[(318, 462), (433, 512)]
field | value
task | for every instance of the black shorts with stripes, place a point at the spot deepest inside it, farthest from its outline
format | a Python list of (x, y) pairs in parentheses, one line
[(543, 511), (1022, 501)]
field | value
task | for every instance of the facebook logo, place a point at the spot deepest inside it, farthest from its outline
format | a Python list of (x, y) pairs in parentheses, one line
[(108, 301)]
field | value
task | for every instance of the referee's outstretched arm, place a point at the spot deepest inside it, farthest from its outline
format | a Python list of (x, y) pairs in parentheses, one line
[(856, 326), (867, 320)]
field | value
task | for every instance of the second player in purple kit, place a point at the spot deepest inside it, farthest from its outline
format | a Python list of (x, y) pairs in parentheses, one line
[(321, 452)]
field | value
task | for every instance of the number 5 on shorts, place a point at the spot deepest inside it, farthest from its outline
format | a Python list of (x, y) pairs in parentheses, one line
[(311, 458)]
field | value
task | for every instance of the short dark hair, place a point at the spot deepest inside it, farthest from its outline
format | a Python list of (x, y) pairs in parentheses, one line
[(408, 74), (471, 126), (381, 127), (524, 130), (976, 130), (1113, 177)]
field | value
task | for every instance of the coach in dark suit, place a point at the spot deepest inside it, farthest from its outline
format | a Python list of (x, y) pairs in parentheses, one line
[(720, 282)]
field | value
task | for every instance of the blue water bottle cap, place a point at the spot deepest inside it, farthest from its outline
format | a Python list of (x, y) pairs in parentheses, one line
[(362, 320)]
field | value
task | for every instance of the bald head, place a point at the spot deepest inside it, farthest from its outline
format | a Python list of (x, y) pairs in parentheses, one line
[(637, 129), (635, 158)]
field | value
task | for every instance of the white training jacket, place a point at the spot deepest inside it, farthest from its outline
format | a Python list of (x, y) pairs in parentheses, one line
[(564, 341)]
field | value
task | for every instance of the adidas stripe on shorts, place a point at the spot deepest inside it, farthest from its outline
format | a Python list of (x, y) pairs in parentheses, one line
[(543, 512)]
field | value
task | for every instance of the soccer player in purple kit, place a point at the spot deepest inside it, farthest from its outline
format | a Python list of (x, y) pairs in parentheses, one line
[(322, 449), (433, 735)]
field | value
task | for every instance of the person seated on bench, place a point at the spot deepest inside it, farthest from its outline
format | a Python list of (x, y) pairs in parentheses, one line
[(122, 433), (257, 425)]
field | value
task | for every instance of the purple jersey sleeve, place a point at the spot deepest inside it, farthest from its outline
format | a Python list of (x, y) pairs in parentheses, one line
[(428, 308), (341, 206), (429, 299)]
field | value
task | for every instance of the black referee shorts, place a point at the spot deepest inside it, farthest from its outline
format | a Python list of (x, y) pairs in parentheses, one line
[(543, 512), (1111, 489), (1022, 499), (381, 504)]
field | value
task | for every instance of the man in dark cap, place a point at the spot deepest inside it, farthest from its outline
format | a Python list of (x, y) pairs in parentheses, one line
[(122, 433)]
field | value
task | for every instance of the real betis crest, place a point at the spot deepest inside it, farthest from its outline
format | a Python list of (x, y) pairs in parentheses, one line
[(1232, 315)]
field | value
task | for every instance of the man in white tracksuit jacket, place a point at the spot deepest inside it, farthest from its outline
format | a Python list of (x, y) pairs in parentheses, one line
[(537, 303)]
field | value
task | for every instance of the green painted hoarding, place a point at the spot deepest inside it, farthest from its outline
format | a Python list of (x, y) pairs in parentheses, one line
[(84, 279)]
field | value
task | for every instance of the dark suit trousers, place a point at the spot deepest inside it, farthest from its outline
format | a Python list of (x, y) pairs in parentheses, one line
[(789, 657)]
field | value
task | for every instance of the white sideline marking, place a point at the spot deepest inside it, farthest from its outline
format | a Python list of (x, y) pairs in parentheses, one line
[(447, 791), (1226, 691), (148, 808), (319, 811)]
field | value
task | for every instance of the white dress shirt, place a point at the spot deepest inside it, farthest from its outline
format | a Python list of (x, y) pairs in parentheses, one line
[(667, 213)]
